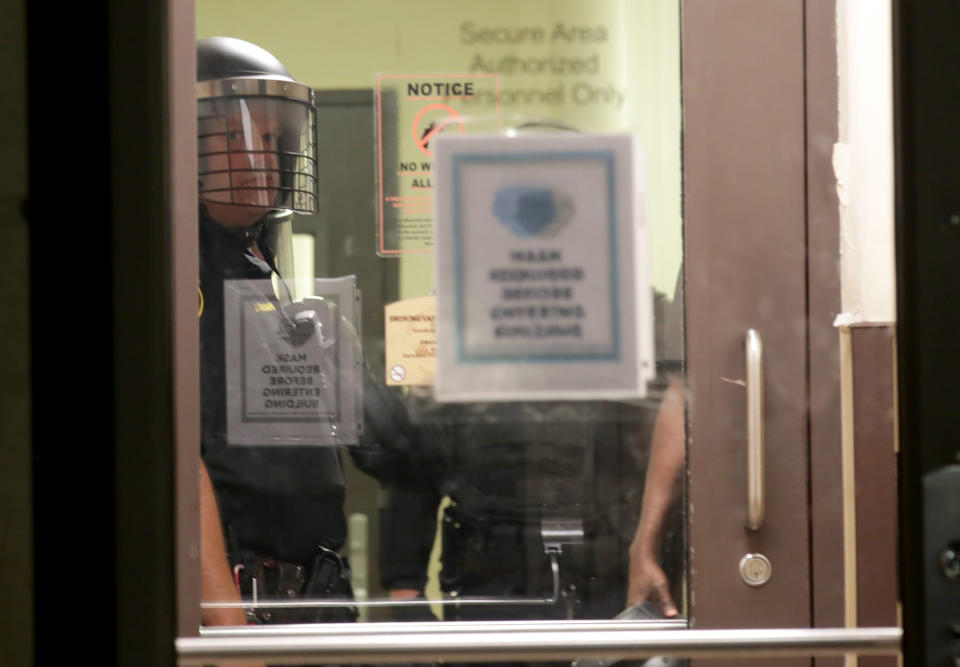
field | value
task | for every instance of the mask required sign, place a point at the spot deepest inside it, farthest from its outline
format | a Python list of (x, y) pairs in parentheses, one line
[(292, 370), (543, 286)]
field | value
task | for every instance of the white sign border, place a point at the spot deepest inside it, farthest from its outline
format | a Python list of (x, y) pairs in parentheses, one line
[(494, 378)]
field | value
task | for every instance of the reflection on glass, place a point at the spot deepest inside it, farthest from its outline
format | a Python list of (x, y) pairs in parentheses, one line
[(439, 511)]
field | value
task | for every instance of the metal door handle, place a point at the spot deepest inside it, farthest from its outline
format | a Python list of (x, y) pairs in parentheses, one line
[(755, 465)]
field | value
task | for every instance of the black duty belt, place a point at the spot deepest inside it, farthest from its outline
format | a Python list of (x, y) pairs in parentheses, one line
[(263, 580)]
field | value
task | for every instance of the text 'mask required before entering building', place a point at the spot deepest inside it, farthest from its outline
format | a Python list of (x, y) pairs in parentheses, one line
[(543, 285)]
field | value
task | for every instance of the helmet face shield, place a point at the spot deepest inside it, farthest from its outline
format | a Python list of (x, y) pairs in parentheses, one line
[(257, 150)]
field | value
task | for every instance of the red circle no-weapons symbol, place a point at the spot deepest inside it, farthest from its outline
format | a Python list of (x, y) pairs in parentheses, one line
[(433, 124)]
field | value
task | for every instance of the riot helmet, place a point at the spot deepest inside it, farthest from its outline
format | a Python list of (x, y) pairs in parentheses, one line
[(256, 135)]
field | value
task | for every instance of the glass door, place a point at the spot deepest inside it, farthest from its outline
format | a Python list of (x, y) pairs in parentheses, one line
[(517, 338)]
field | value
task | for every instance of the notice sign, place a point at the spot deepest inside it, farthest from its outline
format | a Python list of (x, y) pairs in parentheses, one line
[(412, 110), (292, 369), (411, 341), (542, 269)]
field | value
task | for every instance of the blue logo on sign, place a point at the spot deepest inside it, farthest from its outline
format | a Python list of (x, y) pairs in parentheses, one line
[(525, 210)]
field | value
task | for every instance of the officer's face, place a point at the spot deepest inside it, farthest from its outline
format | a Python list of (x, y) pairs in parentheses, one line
[(239, 175)]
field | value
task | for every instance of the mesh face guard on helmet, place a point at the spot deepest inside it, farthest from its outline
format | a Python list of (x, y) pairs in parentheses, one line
[(256, 144)]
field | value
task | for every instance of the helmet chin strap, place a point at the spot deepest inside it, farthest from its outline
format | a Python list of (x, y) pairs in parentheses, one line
[(254, 232)]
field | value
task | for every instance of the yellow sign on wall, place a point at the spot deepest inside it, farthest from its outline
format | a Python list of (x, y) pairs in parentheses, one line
[(411, 341)]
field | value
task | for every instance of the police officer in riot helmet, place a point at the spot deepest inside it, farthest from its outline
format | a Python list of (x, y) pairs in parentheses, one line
[(256, 147), (281, 507)]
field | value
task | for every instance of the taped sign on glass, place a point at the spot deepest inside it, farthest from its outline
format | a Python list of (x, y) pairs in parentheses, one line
[(292, 369), (543, 270)]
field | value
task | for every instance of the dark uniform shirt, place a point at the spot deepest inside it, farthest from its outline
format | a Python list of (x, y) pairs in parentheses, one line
[(514, 471), (276, 501), (511, 470)]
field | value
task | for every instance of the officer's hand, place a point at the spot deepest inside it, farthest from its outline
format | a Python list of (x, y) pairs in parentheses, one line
[(648, 582)]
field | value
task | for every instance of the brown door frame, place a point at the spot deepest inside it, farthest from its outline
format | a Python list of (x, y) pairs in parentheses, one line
[(761, 229), (182, 105), (824, 304)]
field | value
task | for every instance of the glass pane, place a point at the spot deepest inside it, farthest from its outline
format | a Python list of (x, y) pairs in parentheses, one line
[(347, 488)]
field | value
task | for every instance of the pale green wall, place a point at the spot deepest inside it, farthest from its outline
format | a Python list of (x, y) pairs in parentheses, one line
[(328, 44)]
